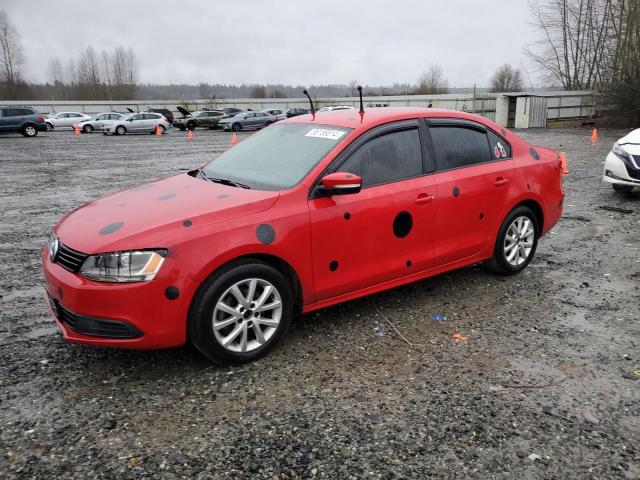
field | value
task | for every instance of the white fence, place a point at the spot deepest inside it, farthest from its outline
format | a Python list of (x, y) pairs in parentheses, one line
[(560, 105)]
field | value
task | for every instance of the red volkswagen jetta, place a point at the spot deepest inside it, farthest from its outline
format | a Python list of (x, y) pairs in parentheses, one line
[(310, 212)]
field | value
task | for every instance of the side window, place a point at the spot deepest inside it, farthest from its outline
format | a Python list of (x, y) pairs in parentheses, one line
[(387, 158), (151, 116), (459, 146), (499, 147)]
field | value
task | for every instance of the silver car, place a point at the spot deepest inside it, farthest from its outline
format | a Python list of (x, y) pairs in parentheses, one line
[(137, 123), (65, 119), (247, 121), (98, 122)]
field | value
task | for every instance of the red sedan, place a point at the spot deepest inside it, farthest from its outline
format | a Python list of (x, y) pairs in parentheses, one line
[(310, 212)]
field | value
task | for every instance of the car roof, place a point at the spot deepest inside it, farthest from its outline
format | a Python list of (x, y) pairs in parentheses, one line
[(376, 116)]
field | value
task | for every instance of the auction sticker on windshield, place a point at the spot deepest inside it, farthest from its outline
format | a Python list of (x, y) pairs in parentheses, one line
[(325, 133)]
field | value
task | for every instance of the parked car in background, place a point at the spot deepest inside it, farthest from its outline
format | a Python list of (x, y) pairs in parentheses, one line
[(97, 122), (231, 111), (276, 112), (294, 112), (298, 217), (65, 120), (25, 120), (622, 165), (247, 121), (200, 118), (137, 123), (331, 108), (168, 114)]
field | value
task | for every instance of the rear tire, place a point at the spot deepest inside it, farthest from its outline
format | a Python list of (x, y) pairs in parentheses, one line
[(623, 190), (29, 130), (87, 129), (516, 242), (215, 303)]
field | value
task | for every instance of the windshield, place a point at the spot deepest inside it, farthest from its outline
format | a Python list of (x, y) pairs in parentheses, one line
[(278, 157)]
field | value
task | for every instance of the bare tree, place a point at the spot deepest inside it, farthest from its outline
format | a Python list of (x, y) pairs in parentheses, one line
[(258, 91), (11, 58), (578, 40), (432, 81), (506, 79), (55, 77)]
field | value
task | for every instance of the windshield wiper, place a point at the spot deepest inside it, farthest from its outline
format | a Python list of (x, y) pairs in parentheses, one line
[(224, 181)]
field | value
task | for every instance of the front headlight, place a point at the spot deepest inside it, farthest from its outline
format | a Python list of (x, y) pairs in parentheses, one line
[(134, 266), (619, 151)]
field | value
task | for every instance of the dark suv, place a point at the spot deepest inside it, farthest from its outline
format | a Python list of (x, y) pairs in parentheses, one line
[(26, 120)]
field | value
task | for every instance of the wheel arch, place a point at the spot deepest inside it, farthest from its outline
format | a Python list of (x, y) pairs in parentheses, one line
[(272, 260), (537, 210)]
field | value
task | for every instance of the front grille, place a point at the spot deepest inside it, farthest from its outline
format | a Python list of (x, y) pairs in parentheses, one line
[(633, 173), (94, 327), (69, 258)]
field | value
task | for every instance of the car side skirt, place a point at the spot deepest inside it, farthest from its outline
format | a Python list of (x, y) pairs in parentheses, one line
[(465, 262)]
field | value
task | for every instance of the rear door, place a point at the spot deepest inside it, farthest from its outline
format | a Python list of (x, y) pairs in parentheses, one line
[(385, 231), (474, 171)]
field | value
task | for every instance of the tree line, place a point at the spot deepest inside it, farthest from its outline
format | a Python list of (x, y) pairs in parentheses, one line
[(591, 45)]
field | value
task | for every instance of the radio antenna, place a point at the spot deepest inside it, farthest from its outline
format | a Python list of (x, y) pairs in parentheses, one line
[(361, 104), (313, 110)]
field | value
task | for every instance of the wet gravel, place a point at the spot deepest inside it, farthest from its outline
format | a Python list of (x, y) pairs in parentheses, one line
[(540, 383)]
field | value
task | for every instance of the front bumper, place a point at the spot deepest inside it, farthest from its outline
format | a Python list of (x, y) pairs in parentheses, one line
[(619, 172), (139, 315)]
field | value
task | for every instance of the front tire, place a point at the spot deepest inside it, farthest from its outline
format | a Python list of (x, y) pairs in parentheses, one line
[(49, 127), (623, 190), (120, 130), (241, 313), (191, 126), (516, 243), (236, 127)]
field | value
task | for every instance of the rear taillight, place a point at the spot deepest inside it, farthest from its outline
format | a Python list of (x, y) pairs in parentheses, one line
[(41, 118)]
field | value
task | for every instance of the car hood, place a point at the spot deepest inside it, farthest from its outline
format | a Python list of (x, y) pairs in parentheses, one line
[(184, 111), (149, 215), (631, 142)]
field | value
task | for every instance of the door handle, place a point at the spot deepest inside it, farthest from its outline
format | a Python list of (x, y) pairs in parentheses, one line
[(501, 181), (423, 199)]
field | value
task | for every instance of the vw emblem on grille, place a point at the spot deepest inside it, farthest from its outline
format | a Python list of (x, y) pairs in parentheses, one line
[(54, 245)]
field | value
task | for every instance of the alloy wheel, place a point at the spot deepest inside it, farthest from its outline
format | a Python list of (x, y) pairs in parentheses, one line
[(247, 315), (518, 242), (30, 131)]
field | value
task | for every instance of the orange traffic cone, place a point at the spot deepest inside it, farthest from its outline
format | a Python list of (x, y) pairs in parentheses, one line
[(234, 138), (594, 135), (190, 135), (76, 130), (158, 132), (563, 161)]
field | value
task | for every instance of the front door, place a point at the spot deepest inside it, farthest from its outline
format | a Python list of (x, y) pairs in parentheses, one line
[(386, 230)]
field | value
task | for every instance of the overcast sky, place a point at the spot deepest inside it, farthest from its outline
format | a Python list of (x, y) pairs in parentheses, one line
[(299, 42)]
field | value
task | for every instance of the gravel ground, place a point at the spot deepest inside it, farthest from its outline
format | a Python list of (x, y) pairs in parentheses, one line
[(542, 387)]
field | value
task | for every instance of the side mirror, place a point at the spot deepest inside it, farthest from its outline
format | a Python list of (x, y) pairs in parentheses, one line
[(340, 183)]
